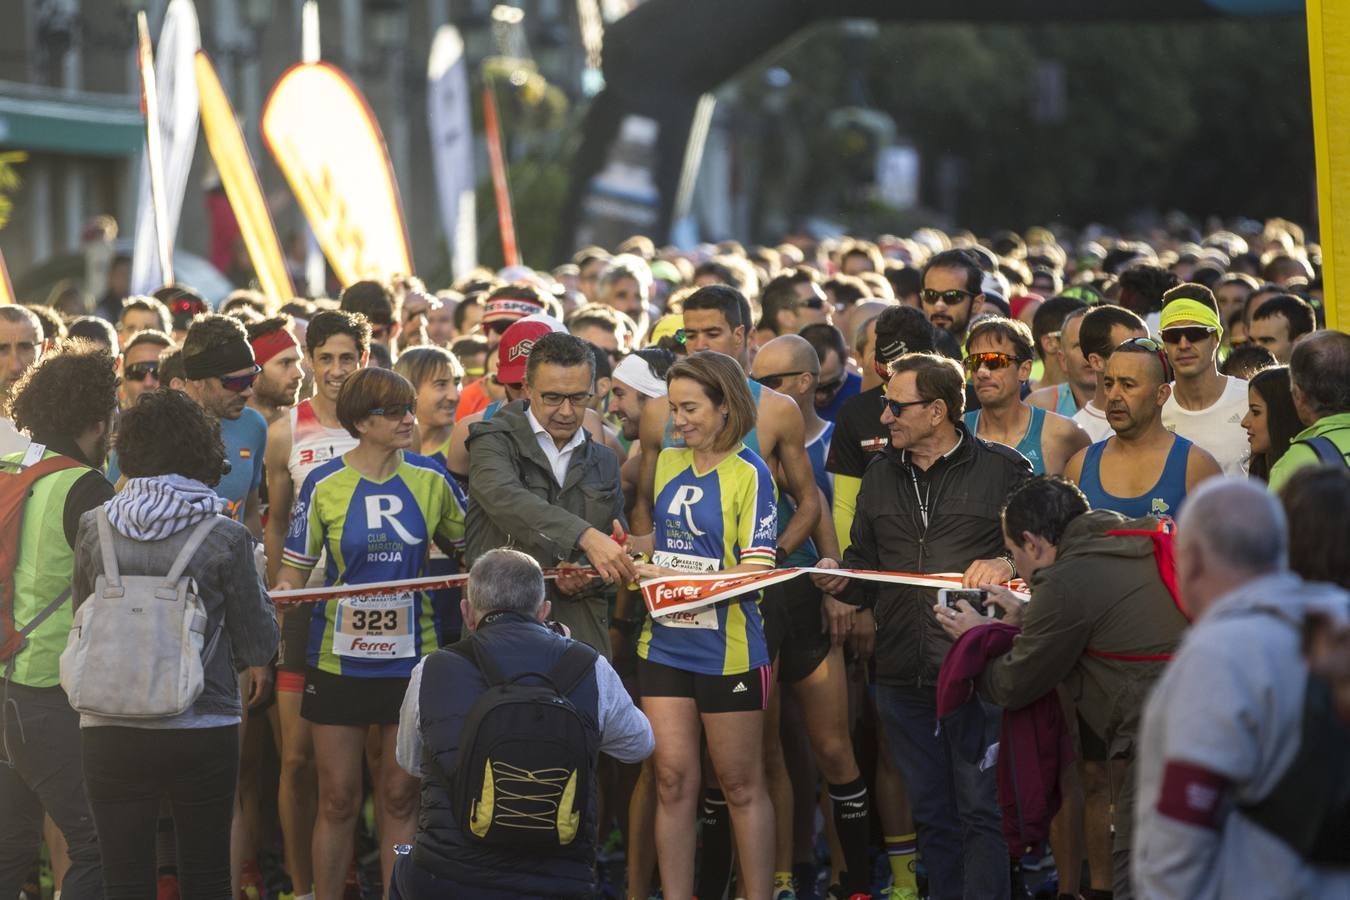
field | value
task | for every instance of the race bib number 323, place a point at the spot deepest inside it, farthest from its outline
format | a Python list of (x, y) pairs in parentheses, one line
[(375, 627)]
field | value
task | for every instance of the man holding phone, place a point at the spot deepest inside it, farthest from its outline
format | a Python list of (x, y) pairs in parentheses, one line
[(930, 504), (1100, 620)]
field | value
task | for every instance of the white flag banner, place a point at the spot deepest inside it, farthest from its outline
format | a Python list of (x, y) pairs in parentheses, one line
[(452, 147), (176, 87)]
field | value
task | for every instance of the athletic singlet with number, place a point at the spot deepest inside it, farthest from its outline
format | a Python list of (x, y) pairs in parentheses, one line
[(1030, 444), (1065, 404), (1164, 499), (312, 443), (817, 451), (373, 531), (706, 522)]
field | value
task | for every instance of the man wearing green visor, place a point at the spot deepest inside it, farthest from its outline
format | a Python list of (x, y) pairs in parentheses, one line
[(1206, 407)]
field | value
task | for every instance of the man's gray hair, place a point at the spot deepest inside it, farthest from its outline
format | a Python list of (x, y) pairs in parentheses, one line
[(506, 581), (22, 315), (1239, 523), (626, 265)]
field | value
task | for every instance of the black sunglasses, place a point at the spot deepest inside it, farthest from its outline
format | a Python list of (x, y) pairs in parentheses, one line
[(951, 298), (773, 381), (1193, 334), (899, 406), (395, 411), (141, 370), (237, 384)]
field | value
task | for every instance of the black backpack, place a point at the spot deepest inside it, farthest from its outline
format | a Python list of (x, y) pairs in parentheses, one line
[(526, 764)]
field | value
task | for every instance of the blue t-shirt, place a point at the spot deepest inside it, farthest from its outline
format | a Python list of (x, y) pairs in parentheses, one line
[(245, 440), (851, 387)]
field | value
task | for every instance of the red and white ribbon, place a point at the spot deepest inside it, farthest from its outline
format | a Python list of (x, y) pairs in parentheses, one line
[(664, 596)]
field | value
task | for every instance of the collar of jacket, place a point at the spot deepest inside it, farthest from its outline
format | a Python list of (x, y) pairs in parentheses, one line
[(512, 418), (962, 453)]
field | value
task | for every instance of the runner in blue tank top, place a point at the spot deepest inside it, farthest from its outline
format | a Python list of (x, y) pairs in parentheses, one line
[(1143, 469)]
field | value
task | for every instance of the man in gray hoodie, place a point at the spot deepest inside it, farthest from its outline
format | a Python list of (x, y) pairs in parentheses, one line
[(1225, 723)]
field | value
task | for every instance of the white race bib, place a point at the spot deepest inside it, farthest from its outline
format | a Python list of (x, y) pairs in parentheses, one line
[(700, 618), (375, 627)]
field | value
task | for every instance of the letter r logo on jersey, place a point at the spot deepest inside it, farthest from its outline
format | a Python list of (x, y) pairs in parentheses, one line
[(381, 507), (682, 504)]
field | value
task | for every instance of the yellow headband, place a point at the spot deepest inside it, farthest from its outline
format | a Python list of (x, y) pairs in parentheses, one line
[(1185, 309)]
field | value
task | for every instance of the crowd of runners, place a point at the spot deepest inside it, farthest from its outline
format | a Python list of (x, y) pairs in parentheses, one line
[(1130, 451)]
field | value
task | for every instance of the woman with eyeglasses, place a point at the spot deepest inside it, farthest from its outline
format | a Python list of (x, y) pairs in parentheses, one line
[(708, 670), (376, 510)]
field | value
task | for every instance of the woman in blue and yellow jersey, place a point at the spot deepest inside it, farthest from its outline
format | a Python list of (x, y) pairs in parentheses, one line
[(715, 510), (377, 510)]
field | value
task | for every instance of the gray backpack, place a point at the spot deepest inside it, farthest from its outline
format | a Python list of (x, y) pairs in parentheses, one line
[(135, 646)]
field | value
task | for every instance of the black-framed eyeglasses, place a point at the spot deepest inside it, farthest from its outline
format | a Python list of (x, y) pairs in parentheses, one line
[(897, 407), (773, 381), (1194, 334), (992, 361), (552, 399), (141, 370), (952, 297), (237, 384), (395, 411)]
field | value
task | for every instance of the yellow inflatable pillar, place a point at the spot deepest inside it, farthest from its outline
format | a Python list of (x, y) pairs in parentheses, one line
[(1329, 64)]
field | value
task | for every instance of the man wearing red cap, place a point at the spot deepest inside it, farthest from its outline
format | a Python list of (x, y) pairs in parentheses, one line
[(504, 307)]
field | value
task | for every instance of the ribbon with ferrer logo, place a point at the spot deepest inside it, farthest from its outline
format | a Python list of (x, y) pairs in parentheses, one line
[(664, 596)]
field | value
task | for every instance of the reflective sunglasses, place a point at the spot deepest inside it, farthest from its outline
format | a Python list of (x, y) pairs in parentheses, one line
[(899, 406), (1193, 334), (141, 370), (951, 298), (395, 411), (237, 384), (1155, 348), (991, 361), (773, 381)]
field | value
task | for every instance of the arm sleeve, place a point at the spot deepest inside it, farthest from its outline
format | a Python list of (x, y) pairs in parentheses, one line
[(304, 539), (625, 733), (250, 616), (757, 523), (408, 745), (846, 489), (1054, 635), (91, 490), (495, 485)]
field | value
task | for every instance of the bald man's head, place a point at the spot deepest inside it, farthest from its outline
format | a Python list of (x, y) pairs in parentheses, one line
[(1230, 531), (788, 364)]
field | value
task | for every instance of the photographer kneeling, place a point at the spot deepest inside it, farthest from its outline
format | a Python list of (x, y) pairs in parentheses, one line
[(1100, 621)]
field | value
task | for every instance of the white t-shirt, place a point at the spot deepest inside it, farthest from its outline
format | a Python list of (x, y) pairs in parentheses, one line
[(1216, 429), (1094, 422)]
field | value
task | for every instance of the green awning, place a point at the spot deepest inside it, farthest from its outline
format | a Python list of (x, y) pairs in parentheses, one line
[(80, 123)]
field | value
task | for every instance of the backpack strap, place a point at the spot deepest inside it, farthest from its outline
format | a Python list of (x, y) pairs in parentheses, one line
[(576, 661), (1328, 454), (105, 546), (194, 542), (468, 648)]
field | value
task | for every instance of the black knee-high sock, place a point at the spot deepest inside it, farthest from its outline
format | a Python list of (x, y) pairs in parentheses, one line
[(714, 873), (852, 822)]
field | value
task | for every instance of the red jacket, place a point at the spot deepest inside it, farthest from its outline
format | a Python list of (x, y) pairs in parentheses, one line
[(1034, 742)]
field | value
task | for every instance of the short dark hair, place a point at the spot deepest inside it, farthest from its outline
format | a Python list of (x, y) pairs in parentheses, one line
[(723, 298), (1247, 360), (780, 295), (92, 328), (462, 310), (1014, 331), (1315, 499), (1094, 335), (936, 377), (65, 394), (34, 316), (372, 299), (1043, 506), (209, 331), (158, 338), (332, 322), (847, 289), (166, 433), (560, 349), (1295, 310), (1049, 318), (367, 389), (823, 338), (1189, 290), (901, 330), (150, 305), (657, 359), (960, 258), (244, 298), (1320, 366), (1146, 283), (171, 366), (265, 327), (906, 281)]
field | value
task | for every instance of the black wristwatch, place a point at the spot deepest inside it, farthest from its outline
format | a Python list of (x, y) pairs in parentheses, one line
[(780, 556)]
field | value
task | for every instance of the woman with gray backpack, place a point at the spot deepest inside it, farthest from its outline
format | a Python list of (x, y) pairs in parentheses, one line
[(169, 607)]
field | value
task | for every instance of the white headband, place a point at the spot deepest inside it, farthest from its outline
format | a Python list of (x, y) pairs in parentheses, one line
[(634, 371)]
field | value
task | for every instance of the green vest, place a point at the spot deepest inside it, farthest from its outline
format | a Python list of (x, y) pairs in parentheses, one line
[(46, 564)]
